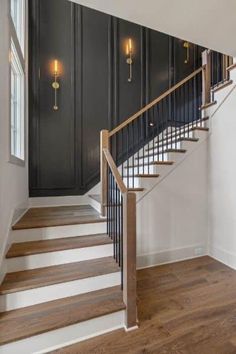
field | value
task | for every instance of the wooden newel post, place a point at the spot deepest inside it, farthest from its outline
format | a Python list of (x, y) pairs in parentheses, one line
[(129, 259), (104, 144), (206, 77)]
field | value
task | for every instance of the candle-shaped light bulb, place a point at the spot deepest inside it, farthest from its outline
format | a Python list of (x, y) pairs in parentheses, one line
[(130, 45), (127, 49), (56, 66)]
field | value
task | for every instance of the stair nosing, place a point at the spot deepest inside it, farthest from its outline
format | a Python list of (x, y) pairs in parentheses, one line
[(92, 221), (167, 163)]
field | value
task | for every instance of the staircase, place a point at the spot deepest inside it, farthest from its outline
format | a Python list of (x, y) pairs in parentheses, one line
[(72, 269), (62, 283)]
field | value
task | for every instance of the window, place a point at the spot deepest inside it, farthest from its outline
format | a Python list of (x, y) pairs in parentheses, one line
[(17, 80), (18, 19), (17, 106)]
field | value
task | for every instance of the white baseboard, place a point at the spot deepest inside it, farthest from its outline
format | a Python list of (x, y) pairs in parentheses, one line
[(16, 214), (221, 255), (40, 202), (52, 340), (96, 205), (170, 256), (3, 270), (57, 291), (60, 257)]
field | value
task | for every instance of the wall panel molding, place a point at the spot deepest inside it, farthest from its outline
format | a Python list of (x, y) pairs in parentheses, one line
[(94, 93)]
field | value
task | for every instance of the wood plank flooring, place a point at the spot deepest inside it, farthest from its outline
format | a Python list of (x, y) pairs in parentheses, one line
[(57, 244), (35, 278), (58, 216), (187, 307), (33, 320)]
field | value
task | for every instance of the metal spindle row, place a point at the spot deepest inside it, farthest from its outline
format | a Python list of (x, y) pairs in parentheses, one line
[(144, 142), (115, 219)]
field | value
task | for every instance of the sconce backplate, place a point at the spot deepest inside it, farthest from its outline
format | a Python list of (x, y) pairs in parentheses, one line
[(55, 85)]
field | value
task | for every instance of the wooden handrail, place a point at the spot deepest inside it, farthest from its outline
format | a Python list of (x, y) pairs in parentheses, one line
[(115, 172), (151, 104)]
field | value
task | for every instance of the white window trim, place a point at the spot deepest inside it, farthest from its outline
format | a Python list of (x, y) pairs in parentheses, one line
[(22, 59)]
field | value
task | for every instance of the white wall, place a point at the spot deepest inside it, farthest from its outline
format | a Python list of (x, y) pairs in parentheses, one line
[(210, 23), (13, 178), (172, 218), (222, 183)]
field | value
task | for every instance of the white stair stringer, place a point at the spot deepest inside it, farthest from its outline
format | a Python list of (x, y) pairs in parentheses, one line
[(164, 170)]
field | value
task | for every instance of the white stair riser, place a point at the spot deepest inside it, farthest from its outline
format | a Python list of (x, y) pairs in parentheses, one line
[(163, 148), (200, 134), (57, 291), (153, 169), (49, 233), (52, 340), (132, 182), (142, 170), (60, 257), (161, 157)]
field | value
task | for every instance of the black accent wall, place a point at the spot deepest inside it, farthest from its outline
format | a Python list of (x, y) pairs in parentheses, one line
[(94, 91)]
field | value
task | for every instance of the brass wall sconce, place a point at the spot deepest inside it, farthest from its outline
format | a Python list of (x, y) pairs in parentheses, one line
[(129, 58), (186, 46), (55, 84)]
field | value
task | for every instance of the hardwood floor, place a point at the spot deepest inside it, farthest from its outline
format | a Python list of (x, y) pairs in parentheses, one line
[(58, 216), (187, 307)]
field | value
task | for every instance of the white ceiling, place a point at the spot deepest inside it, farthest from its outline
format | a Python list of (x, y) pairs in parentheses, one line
[(210, 23)]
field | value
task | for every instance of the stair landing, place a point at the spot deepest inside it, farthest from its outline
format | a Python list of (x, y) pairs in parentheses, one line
[(58, 216)]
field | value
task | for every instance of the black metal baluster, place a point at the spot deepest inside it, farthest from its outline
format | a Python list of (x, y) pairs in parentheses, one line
[(121, 243), (116, 222), (138, 145), (132, 151), (127, 155)]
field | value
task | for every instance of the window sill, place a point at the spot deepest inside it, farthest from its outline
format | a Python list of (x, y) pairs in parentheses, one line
[(16, 161)]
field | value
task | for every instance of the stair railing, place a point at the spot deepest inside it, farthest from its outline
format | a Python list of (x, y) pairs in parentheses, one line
[(121, 227), (135, 145)]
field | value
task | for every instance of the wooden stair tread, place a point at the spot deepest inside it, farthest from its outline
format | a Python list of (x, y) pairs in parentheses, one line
[(58, 244), (58, 216), (181, 151), (41, 318), (222, 85), (201, 128), (39, 277), (147, 175), (208, 105), (135, 189), (231, 67), (167, 163)]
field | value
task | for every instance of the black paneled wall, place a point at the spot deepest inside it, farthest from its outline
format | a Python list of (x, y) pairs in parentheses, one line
[(94, 90)]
